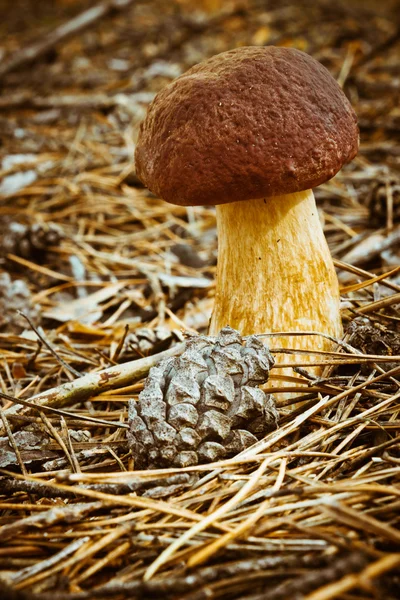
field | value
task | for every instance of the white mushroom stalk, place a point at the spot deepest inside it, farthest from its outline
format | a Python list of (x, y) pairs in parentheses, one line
[(275, 272), (262, 123)]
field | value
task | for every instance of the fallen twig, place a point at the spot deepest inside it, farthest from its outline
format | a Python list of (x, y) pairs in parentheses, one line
[(95, 383), (184, 583), (69, 514)]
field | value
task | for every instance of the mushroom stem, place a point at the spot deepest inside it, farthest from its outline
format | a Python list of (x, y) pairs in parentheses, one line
[(275, 272)]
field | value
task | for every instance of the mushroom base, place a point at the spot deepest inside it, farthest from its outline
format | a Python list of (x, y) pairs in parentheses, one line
[(275, 274)]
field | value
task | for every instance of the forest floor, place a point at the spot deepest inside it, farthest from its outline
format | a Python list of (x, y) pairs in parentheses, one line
[(98, 274)]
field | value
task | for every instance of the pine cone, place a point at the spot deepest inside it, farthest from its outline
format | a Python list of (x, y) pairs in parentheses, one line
[(204, 405), (374, 339), (29, 241), (377, 200), (145, 341)]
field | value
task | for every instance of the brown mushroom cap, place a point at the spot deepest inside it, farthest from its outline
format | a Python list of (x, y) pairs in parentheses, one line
[(248, 123)]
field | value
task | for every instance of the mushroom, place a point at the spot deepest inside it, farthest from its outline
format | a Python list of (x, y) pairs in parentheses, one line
[(252, 131)]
